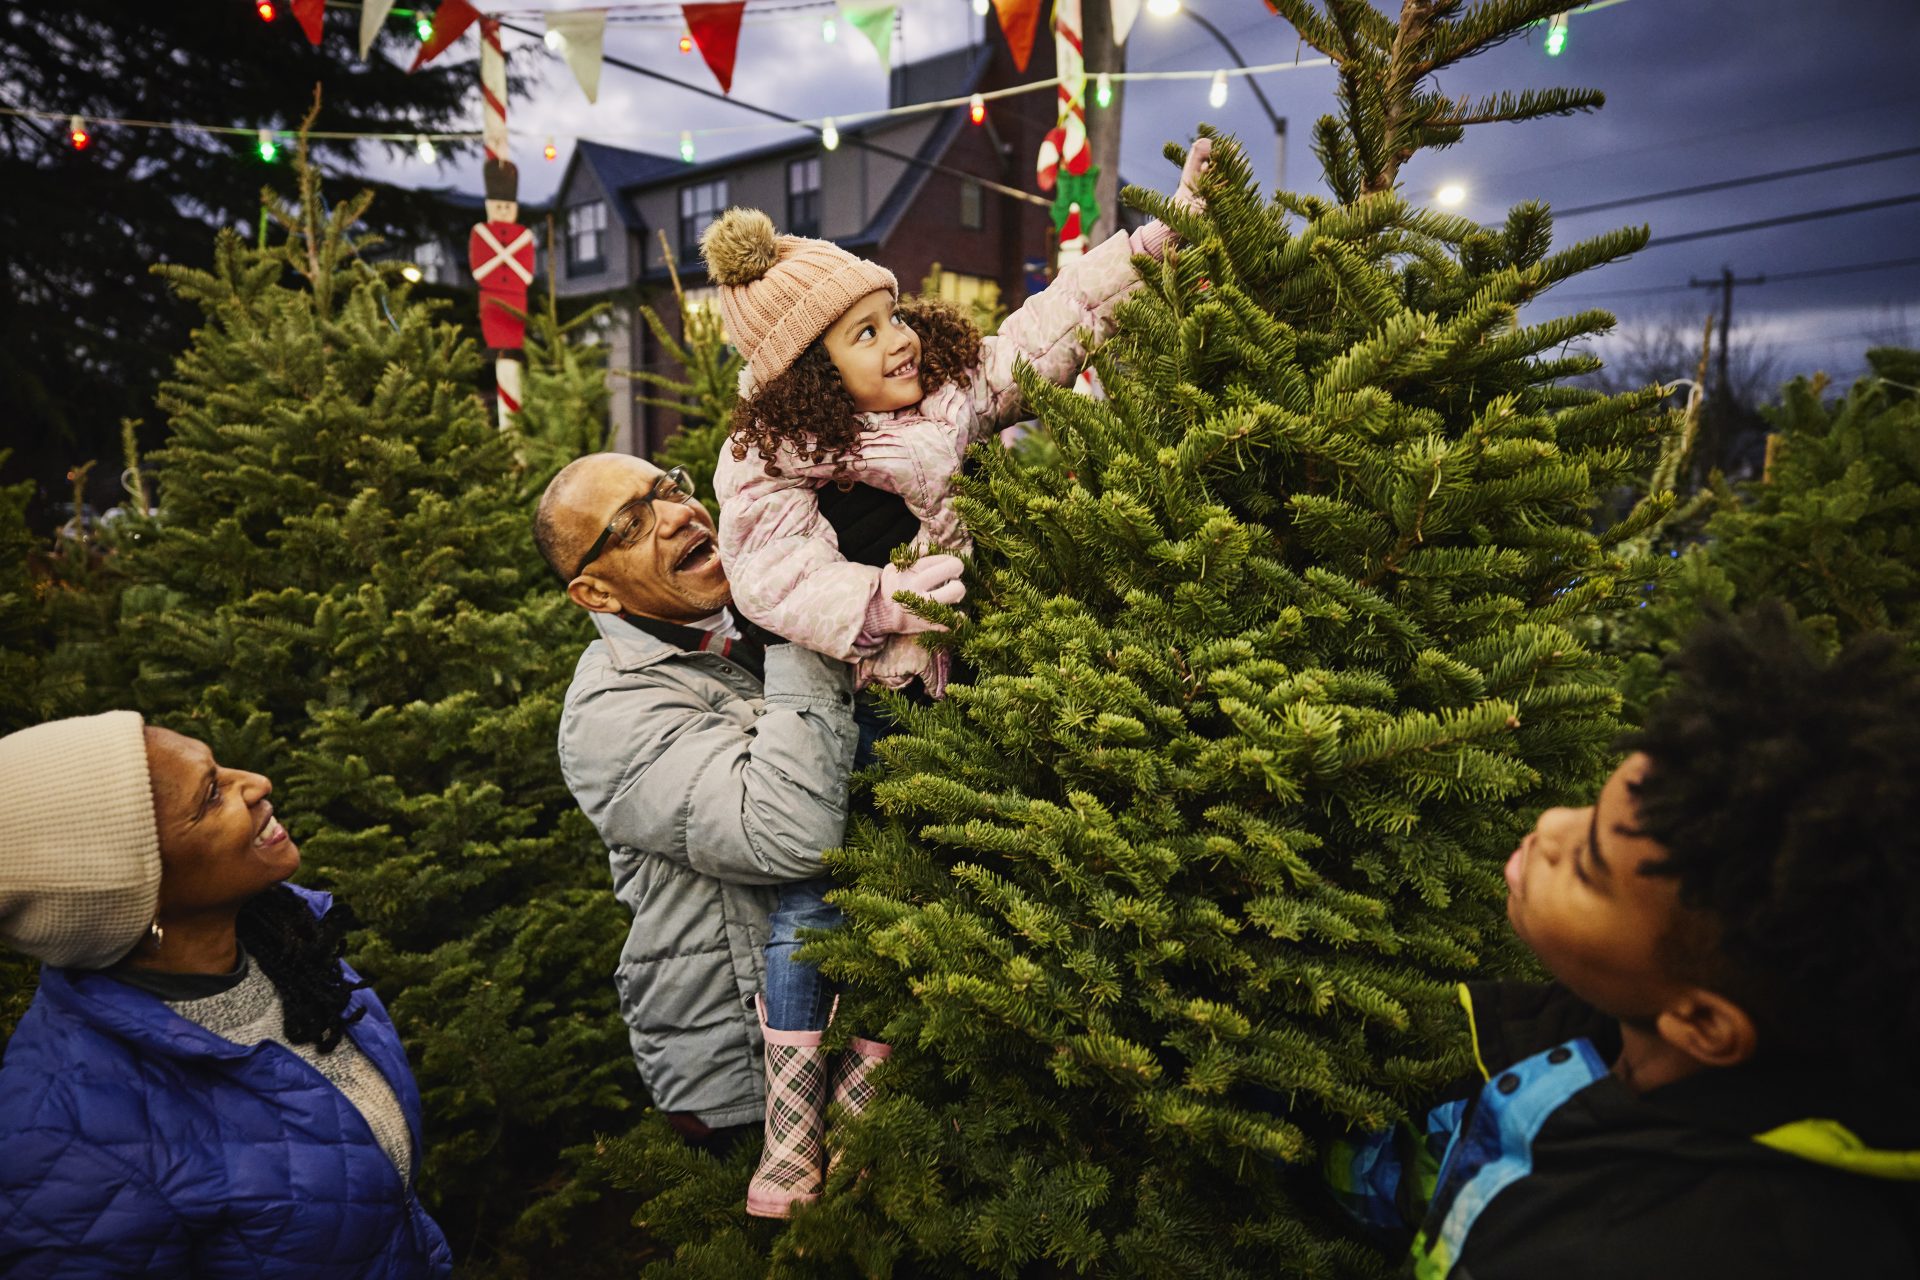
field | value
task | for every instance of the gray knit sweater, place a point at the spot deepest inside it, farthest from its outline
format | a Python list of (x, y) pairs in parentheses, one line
[(249, 1013)]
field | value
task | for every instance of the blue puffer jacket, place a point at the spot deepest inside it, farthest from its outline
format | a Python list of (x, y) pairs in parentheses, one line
[(136, 1143)]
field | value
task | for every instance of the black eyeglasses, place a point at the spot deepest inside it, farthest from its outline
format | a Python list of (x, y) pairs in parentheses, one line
[(633, 521)]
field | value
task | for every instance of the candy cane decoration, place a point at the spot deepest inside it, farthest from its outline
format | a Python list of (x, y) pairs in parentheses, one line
[(493, 90), (1066, 143), (1073, 241)]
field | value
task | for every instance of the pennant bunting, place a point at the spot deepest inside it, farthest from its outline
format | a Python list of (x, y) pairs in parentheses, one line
[(876, 24), (308, 13), (716, 29), (1019, 19), (583, 33), (451, 19), (373, 15), (1124, 12)]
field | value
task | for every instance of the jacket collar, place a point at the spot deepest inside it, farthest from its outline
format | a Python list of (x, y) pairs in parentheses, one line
[(631, 648), (1817, 1108)]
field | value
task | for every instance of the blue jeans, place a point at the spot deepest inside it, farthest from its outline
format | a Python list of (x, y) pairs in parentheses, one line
[(798, 998)]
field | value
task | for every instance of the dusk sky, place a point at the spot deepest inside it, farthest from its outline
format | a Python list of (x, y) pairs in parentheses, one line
[(1696, 93)]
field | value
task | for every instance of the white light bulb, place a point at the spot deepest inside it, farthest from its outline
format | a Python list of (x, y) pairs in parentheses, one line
[(1451, 194), (829, 134), (829, 30), (410, 273), (423, 147), (980, 7), (555, 41), (1163, 8), (1217, 93)]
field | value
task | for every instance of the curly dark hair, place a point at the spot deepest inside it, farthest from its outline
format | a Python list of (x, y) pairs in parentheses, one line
[(1781, 787), (809, 407), (300, 954)]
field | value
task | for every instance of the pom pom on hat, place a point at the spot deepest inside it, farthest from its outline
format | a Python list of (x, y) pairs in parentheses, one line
[(778, 293), (740, 247), (79, 848)]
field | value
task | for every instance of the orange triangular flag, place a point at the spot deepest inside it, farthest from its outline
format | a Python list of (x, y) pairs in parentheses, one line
[(449, 20), (716, 29), (1019, 19)]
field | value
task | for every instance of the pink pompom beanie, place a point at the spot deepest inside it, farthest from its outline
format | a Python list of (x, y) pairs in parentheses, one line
[(778, 293)]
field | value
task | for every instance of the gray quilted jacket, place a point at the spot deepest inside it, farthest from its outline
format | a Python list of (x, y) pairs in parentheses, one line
[(708, 791)]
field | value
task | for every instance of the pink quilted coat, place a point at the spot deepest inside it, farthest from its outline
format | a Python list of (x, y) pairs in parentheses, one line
[(782, 556)]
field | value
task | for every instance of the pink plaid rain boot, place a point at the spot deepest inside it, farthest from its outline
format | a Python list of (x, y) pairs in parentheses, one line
[(852, 1087), (790, 1172)]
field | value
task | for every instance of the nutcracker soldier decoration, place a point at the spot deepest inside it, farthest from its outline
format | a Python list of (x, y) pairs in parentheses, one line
[(500, 252)]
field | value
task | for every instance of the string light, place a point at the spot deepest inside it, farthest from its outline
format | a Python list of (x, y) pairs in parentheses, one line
[(1217, 94), (77, 133), (686, 146), (829, 30), (1556, 34), (265, 9), (410, 273), (423, 147), (829, 134), (686, 42), (977, 109), (1103, 90), (980, 7), (267, 147), (549, 151), (1451, 194), (1163, 8), (423, 25), (555, 40)]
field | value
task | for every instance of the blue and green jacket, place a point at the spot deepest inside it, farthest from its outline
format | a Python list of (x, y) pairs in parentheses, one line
[(1547, 1165)]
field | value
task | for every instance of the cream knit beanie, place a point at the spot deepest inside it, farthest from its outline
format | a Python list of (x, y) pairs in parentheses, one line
[(79, 852), (778, 293)]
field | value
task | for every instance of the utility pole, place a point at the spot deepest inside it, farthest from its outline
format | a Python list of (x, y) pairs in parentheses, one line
[(1721, 406), (1100, 53)]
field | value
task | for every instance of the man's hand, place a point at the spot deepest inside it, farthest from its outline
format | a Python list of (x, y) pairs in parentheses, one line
[(1187, 196), (935, 577)]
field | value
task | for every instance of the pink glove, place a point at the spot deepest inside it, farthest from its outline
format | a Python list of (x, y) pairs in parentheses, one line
[(1187, 196), (935, 577)]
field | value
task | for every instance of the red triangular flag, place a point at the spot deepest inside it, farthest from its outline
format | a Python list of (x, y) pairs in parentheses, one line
[(1018, 21), (716, 29), (449, 20), (308, 13)]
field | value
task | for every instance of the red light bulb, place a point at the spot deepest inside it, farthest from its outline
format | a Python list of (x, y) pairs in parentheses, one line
[(977, 109), (77, 133), (265, 9), (686, 44)]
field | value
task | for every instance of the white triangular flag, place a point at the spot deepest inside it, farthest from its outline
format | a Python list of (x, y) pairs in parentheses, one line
[(372, 14), (875, 22), (1124, 12), (583, 32)]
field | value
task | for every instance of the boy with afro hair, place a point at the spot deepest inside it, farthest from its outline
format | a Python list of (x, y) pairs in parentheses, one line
[(1720, 1082)]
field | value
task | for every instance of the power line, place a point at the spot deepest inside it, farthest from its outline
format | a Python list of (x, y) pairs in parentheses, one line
[(1729, 183), (1815, 273), (1810, 215)]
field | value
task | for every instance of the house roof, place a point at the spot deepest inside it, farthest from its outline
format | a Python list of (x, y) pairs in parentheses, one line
[(622, 173)]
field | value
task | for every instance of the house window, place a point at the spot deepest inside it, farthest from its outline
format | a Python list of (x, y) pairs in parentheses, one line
[(973, 206), (700, 204), (803, 197), (971, 292), (587, 237)]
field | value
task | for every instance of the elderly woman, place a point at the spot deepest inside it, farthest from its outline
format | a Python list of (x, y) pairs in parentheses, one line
[(201, 1087)]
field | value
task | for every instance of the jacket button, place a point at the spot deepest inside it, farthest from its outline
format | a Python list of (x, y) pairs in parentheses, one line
[(1508, 1083), (726, 669), (1559, 1055)]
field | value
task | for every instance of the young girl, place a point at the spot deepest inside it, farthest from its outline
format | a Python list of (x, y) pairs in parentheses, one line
[(847, 386)]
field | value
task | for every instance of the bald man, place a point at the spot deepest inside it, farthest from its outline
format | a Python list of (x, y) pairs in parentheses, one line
[(712, 760)]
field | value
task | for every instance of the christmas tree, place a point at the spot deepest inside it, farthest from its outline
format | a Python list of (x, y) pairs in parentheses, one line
[(1828, 527), (1270, 673), (703, 394), (341, 592)]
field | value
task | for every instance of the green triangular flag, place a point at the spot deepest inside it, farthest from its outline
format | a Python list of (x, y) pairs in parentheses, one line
[(876, 24)]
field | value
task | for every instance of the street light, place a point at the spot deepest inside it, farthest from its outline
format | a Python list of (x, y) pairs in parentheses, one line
[(1450, 194), (1166, 9)]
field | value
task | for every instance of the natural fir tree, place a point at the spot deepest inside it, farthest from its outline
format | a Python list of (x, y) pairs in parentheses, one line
[(564, 411), (1268, 677), (1828, 526), (341, 592)]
